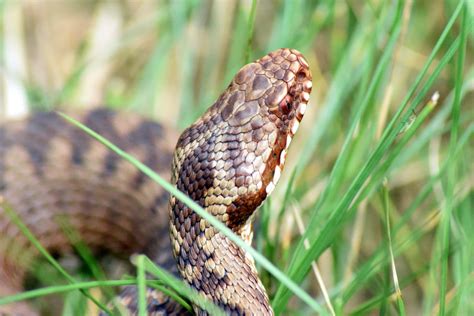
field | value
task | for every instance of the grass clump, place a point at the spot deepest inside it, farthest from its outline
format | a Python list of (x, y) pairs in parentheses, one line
[(380, 173)]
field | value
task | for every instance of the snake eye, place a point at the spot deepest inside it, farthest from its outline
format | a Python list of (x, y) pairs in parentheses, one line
[(301, 75), (285, 106)]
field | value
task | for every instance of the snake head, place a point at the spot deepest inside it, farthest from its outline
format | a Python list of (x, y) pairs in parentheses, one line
[(269, 98), (262, 108), (232, 157), (286, 82)]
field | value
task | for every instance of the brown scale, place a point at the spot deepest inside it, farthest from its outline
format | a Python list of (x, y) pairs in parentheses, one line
[(228, 161)]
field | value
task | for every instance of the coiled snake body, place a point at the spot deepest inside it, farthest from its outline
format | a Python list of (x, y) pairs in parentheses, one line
[(228, 161)]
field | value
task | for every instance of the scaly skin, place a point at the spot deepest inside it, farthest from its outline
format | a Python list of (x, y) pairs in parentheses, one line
[(228, 161)]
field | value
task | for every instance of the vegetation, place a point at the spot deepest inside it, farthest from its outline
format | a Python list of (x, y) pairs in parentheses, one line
[(374, 212)]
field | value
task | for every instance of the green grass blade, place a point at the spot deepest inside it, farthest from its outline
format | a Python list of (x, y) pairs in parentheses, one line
[(29, 235), (59, 289), (84, 252), (141, 285), (444, 35), (452, 174), (50, 290), (398, 293), (179, 286), (250, 27)]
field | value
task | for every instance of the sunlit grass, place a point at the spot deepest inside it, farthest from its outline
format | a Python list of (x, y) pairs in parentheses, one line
[(377, 153)]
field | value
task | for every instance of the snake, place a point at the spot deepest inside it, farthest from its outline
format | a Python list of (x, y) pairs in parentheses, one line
[(228, 161)]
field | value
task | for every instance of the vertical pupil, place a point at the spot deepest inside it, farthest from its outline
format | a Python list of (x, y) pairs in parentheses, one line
[(285, 106)]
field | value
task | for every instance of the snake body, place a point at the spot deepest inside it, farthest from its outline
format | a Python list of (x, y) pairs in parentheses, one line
[(228, 161)]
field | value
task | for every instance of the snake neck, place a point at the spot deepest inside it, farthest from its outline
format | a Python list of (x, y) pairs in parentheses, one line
[(206, 259), (216, 267)]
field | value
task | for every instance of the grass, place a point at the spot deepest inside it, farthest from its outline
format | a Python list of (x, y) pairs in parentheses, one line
[(380, 173), (202, 212)]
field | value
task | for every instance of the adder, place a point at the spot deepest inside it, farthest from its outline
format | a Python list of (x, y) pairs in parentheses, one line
[(228, 161)]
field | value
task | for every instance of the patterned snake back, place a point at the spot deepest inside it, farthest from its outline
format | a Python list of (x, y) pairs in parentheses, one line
[(54, 176)]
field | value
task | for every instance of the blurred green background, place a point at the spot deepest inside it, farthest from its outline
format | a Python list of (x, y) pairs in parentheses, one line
[(378, 153)]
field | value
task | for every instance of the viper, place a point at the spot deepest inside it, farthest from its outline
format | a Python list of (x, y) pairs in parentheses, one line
[(53, 176)]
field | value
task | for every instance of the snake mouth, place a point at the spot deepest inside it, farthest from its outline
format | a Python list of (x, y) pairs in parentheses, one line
[(301, 99)]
